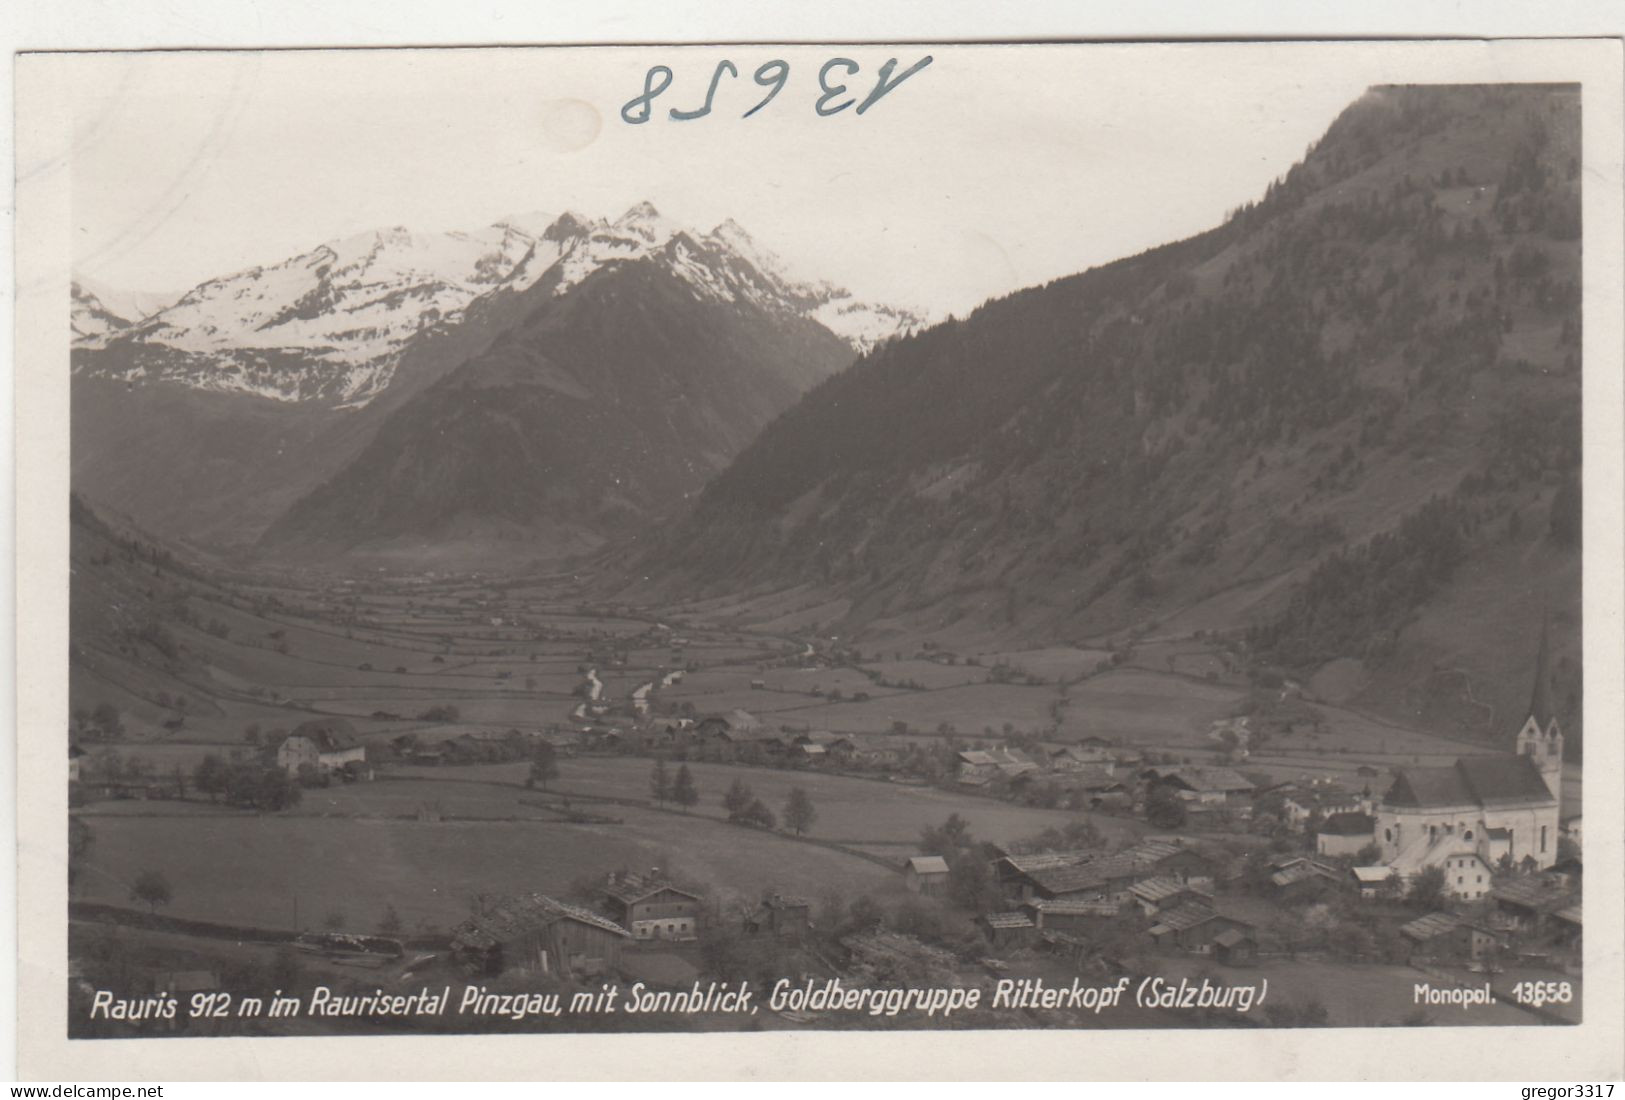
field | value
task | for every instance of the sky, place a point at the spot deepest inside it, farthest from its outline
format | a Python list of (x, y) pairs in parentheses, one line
[(991, 168)]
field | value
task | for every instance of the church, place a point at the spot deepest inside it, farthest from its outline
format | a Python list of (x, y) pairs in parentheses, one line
[(1481, 814)]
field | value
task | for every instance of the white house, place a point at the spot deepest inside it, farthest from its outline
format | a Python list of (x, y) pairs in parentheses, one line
[(326, 744)]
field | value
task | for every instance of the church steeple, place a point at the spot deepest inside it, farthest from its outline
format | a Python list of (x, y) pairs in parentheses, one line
[(1541, 739), (1540, 702)]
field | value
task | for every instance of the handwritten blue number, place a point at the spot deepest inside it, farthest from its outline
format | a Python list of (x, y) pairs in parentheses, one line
[(716, 78), (778, 80), (646, 100)]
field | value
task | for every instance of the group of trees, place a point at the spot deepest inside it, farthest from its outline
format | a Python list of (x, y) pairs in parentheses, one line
[(258, 785), (664, 787)]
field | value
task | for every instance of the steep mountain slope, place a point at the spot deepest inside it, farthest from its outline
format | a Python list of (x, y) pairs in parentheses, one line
[(603, 407), (210, 417), (1325, 420)]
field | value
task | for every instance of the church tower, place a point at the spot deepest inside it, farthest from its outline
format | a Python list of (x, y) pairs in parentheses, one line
[(1541, 738)]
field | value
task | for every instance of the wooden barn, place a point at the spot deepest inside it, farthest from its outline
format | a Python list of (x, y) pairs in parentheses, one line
[(533, 934)]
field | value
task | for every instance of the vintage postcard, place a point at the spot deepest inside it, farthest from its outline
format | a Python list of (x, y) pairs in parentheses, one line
[(552, 552)]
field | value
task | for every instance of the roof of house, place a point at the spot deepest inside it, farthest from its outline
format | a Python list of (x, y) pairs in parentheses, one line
[(1299, 870), (329, 734), (976, 758), (633, 888), (1008, 920), (928, 865), (1230, 937), (785, 901), (1534, 892), (1380, 873), (1040, 861), (1349, 824), (1434, 924), (1158, 889), (1183, 917), (1205, 778), (1067, 907), (1471, 781), (513, 916), (1569, 913)]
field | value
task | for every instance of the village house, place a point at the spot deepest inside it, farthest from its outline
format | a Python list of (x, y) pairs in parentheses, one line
[(976, 768), (651, 908), (1084, 875), (926, 875), (326, 744), (1295, 878), (1467, 876), (1007, 930), (1071, 758), (869, 751), (1195, 927), (1527, 904), (536, 935), (1368, 881), (1448, 936), (1204, 788), (75, 755), (1069, 915), (1503, 808), (1153, 895), (780, 915), (1345, 834), (1301, 804)]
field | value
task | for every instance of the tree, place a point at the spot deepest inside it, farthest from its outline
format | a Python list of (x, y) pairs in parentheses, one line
[(152, 889), (758, 814), (80, 838), (544, 767), (660, 781), (390, 923), (736, 800), (1164, 808), (683, 791), (799, 812), (209, 776), (1427, 888), (334, 921)]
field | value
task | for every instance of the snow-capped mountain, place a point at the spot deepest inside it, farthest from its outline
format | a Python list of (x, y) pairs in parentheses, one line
[(332, 324), (91, 319)]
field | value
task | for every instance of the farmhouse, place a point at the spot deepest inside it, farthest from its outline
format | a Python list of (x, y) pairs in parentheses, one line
[(1205, 788), (1445, 935), (1069, 915), (1196, 927), (1013, 929), (1502, 808), (1527, 904), (326, 744), (1299, 876), (1071, 758), (651, 908), (1154, 895), (926, 875), (533, 934), (780, 915)]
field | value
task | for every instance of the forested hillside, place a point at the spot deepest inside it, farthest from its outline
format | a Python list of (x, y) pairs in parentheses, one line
[(1342, 427)]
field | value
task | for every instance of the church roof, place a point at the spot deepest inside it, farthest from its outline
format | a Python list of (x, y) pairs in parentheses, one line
[(1470, 781)]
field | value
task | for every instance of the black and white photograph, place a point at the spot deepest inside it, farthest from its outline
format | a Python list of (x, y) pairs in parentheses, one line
[(897, 537)]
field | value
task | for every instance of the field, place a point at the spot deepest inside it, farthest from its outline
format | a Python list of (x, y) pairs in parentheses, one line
[(850, 810), (253, 869)]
